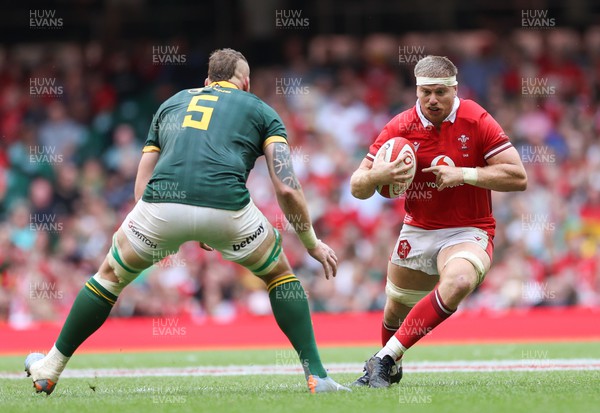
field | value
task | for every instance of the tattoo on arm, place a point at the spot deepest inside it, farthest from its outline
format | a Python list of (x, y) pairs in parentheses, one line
[(282, 165)]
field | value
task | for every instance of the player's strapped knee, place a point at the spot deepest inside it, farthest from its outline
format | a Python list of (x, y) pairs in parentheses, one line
[(403, 296), (124, 272), (268, 261), (475, 261)]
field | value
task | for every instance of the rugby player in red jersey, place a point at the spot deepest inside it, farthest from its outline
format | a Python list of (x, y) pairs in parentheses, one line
[(445, 246)]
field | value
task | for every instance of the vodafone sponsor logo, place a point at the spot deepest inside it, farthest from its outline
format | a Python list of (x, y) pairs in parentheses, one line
[(442, 160)]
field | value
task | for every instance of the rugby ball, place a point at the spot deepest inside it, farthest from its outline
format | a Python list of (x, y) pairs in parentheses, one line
[(396, 148)]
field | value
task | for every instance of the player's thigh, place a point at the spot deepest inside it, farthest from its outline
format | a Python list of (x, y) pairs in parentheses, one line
[(410, 279), (247, 238), (152, 232), (465, 259), (128, 253), (412, 264), (268, 261), (404, 288)]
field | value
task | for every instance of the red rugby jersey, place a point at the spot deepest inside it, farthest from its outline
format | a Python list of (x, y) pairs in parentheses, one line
[(468, 137)]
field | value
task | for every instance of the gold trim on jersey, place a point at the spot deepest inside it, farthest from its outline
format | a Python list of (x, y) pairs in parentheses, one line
[(273, 139), (150, 148), (224, 83)]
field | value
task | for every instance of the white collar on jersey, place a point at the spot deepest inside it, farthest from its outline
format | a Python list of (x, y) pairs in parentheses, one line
[(450, 118)]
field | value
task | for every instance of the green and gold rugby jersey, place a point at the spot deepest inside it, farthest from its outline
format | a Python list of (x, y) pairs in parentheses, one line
[(209, 140)]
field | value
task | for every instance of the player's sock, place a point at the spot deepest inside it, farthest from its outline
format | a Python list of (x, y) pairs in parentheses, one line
[(89, 311), (387, 332), (290, 308), (424, 317)]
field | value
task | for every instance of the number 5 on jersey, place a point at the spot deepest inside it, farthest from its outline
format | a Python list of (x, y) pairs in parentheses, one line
[(205, 110)]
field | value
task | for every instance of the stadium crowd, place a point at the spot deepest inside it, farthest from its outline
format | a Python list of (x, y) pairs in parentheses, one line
[(73, 119)]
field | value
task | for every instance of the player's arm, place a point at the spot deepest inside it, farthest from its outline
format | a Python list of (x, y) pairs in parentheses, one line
[(371, 174), (504, 172), (293, 204), (150, 155), (144, 173), (362, 185), (287, 188)]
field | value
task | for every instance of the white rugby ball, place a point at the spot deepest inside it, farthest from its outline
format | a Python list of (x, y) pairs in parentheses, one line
[(396, 148)]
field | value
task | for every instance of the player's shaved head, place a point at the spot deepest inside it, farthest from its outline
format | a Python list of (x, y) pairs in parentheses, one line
[(435, 66), (224, 64)]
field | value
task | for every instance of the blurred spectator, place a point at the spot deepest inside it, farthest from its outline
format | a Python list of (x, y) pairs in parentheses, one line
[(124, 154), (60, 134), (68, 164)]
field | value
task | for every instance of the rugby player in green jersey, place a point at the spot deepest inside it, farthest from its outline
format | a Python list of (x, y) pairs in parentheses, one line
[(191, 186)]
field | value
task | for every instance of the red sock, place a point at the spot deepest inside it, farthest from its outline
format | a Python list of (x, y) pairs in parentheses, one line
[(423, 318), (386, 333)]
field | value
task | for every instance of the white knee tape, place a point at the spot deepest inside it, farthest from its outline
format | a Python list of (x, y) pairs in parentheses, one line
[(475, 261), (111, 286), (123, 272), (403, 296), (125, 275), (270, 259)]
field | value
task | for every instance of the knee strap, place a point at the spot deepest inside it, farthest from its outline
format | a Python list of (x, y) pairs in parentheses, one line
[(269, 259), (124, 272), (475, 261), (403, 296)]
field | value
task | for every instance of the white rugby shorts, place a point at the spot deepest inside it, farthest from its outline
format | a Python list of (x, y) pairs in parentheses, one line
[(418, 248), (157, 230)]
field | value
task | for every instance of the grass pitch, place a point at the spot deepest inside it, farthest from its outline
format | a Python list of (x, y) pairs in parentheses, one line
[(451, 391)]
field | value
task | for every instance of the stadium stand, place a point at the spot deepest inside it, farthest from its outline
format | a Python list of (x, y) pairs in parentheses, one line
[(73, 117)]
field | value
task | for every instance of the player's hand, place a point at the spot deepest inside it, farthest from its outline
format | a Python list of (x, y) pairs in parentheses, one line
[(446, 176), (396, 172), (206, 246), (326, 256)]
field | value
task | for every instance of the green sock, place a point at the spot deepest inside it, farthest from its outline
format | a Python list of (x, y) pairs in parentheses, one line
[(89, 311), (291, 312)]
